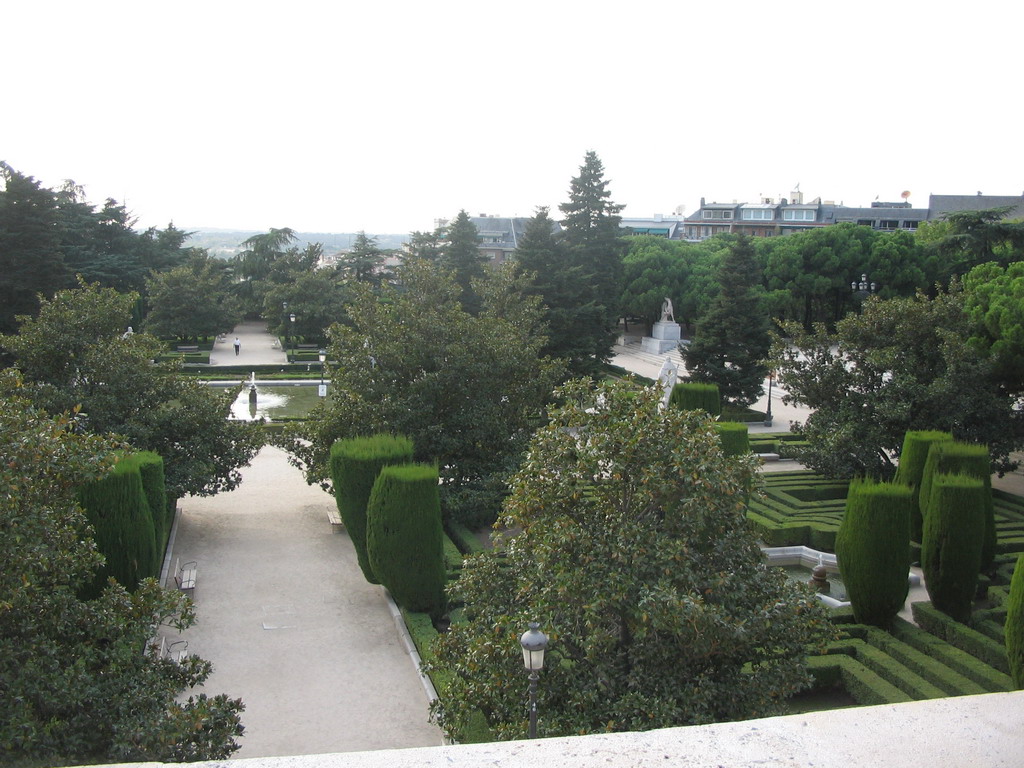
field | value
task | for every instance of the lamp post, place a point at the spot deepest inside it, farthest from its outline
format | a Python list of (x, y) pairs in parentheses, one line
[(768, 413), (284, 312), (323, 358), (534, 644), (291, 317), (863, 289)]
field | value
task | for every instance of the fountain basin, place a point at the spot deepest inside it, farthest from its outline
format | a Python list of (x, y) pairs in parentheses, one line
[(802, 560)]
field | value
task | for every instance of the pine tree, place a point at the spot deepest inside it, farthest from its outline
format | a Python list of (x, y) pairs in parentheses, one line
[(364, 259), (461, 255), (733, 338), (595, 249)]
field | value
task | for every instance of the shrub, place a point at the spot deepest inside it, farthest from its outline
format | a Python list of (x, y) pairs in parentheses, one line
[(969, 459), (734, 436), (696, 396), (911, 468), (1015, 625), (873, 549), (954, 527), (117, 509), (355, 463), (151, 469), (404, 536)]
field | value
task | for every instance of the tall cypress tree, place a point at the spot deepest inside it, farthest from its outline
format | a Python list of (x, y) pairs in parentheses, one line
[(461, 255), (592, 237), (732, 339)]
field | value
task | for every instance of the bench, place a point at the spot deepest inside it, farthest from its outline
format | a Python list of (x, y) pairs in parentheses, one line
[(337, 525), (185, 576), (188, 347), (307, 347), (176, 651)]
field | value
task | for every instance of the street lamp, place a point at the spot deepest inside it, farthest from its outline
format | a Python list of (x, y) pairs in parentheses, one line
[(863, 288), (534, 644), (291, 317), (768, 413), (284, 312), (323, 358)]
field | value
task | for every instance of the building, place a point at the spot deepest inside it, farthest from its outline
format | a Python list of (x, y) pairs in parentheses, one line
[(770, 217)]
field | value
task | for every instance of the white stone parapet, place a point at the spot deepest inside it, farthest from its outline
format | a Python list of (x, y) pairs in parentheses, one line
[(956, 732)]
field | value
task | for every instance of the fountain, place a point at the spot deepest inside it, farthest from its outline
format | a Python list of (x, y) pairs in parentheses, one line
[(799, 561)]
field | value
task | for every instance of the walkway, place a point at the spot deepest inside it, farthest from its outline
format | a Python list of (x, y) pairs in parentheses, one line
[(285, 615), (291, 625), (258, 347)]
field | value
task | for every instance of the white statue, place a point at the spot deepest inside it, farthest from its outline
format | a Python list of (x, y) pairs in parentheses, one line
[(667, 379), (667, 315)]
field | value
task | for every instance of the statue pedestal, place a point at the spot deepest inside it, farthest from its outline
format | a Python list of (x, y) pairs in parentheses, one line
[(664, 337)]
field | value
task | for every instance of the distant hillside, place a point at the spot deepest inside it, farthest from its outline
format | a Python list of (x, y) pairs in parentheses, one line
[(227, 242)]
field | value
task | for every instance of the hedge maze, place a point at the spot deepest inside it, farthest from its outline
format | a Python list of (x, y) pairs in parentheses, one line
[(931, 658)]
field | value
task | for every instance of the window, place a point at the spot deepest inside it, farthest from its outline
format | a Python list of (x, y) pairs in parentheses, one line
[(798, 215), (888, 224), (717, 214), (758, 214)]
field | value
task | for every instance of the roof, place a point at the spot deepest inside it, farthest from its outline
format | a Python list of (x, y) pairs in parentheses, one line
[(940, 205)]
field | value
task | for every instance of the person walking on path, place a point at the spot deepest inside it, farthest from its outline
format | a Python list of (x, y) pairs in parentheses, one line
[(238, 346)]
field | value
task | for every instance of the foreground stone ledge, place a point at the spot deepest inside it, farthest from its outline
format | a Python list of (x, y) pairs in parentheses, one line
[(956, 732)]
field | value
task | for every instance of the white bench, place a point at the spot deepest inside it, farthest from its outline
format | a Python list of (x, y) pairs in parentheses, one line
[(185, 576), (176, 651), (337, 525)]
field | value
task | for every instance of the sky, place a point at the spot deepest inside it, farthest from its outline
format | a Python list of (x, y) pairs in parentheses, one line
[(384, 116)]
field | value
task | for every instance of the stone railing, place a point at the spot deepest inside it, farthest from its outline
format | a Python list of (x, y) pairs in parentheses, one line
[(957, 732)]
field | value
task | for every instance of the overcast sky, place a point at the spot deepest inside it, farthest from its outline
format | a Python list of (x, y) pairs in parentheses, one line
[(383, 116)]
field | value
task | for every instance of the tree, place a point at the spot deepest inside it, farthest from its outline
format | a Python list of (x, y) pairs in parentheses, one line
[(465, 389), (192, 301), (653, 269), (902, 364), (31, 261), (1015, 625), (363, 261), (76, 355), (592, 237), (461, 255), (633, 553), (425, 245), (976, 237), (994, 301), (317, 298), (873, 548), (76, 688), (543, 262), (733, 339)]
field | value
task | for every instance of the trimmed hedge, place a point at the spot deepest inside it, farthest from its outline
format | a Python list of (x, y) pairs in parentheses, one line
[(865, 686), (873, 550), (734, 436), (696, 396), (961, 636), (151, 470), (355, 463), (954, 526), (123, 529), (913, 458), (1014, 628), (404, 536), (987, 679), (954, 458)]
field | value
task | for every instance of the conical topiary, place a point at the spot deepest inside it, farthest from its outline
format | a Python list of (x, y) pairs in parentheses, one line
[(913, 457), (951, 457), (1015, 625), (355, 463), (734, 436), (696, 396), (954, 529), (872, 547), (404, 537)]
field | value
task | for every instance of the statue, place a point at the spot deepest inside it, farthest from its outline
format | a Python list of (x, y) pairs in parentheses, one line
[(667, 315), (667, 379)]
